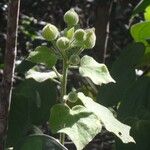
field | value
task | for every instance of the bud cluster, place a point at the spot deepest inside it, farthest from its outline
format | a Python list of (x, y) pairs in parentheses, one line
[(79, 38)]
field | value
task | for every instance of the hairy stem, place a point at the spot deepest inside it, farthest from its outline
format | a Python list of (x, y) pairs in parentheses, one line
[(63, 92)]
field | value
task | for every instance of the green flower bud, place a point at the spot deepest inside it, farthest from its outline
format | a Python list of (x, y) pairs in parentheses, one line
[(80, 35), (72, 97), (50, 32), (90, 38), (63, 43), (74, 59), (71, 17)]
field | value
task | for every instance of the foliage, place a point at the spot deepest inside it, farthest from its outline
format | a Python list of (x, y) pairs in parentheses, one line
[(81, 122)]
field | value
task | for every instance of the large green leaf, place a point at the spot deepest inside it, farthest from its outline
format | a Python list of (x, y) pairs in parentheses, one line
[(123, 71), (141, 6), (31, 102), (39, 142), (78, 123), (43, 55), (106, 117), (136, 104), (136, 100), (40, 76), (141, 132), (97, 72)]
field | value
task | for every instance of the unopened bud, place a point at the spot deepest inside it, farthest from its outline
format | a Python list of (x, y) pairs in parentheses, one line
[(71, 17), (80, 35), (50, 32), (74, 59), (72, 96), (63, 43), (90, 38)]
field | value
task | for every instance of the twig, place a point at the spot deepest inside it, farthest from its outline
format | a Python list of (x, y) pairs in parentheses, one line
[(107, 31)]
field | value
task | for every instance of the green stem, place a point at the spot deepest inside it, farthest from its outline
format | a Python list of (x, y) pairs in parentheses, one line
[(63, 92), (57, 73), (64, 80)]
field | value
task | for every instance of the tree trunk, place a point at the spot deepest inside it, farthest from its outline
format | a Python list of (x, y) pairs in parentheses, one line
[(9, 67), (102, 18)]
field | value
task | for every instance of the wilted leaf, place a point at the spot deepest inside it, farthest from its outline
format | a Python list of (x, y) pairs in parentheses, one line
[(78, 123), (97, 72), (107, 118), (43, 55)]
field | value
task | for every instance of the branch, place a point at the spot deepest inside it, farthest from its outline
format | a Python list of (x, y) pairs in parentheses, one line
[(107, 31), (9, 67)]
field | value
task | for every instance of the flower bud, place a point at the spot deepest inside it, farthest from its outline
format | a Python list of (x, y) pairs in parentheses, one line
[(74, 59), (71, 17), (63, 43), (72, 96), (50, 32), (90, 38), (80, 35)]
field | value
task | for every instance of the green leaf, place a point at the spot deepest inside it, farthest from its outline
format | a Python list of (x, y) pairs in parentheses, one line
[(97, 72), (24, 66), (31, 102), (141, 6), (70, 33), (106, 117), (147, 14), (140, 131), (135, 110), (43, 55), (39, 142), (141, 31), (78, 123), (40, 76), (123, 71), (136, 100)]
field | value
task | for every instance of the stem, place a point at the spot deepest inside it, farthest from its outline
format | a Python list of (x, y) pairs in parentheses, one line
[(57, 73), (63, 92), (64, 80)]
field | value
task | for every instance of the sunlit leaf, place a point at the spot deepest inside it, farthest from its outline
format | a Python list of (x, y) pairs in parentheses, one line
[(141, 31), (147, 14), (106, 117), (70, 33), (40, 76), (97, 72), (78, 123)]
